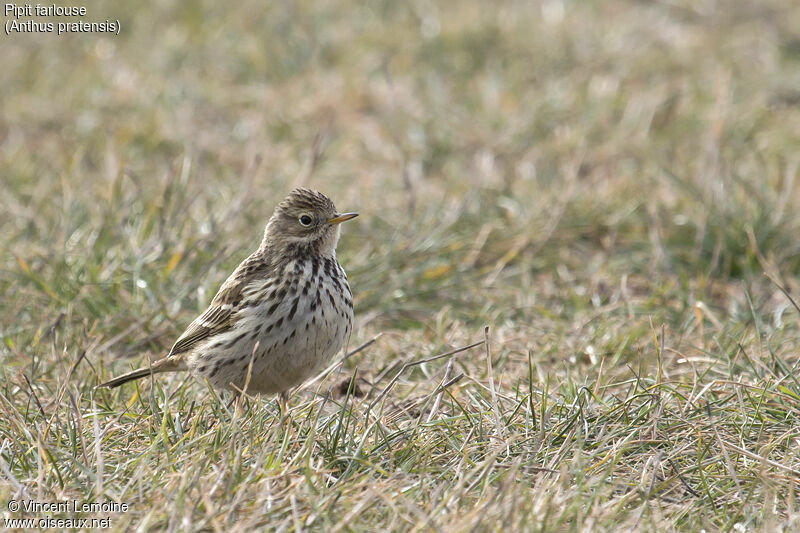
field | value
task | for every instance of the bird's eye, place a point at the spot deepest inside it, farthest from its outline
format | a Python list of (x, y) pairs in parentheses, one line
[(305, 220)]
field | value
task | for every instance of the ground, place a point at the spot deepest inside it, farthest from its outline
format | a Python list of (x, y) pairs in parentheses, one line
[(610, 187)]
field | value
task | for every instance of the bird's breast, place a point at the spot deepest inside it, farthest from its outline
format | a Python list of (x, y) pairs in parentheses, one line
[(289, 325)]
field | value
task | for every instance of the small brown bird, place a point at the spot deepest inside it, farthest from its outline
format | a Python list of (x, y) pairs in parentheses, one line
[(287, 308)]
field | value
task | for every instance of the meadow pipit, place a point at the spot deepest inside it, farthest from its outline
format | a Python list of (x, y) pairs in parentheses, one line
[(286, 309)]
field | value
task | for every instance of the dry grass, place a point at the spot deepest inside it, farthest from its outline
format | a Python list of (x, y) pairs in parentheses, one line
[(604, 184)]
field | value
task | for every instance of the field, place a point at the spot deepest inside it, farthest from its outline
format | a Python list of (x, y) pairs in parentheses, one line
[(589, 209)]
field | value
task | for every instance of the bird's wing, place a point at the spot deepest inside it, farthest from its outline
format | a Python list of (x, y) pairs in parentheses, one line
[(216, 319), (227, 302)]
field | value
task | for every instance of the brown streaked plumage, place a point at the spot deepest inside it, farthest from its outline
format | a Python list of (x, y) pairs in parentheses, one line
[(286, 309)]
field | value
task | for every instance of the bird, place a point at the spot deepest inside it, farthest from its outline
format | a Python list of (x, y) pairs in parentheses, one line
[(282, 313)]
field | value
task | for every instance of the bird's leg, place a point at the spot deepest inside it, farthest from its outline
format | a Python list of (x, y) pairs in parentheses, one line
[(283, 404), (242, 404)]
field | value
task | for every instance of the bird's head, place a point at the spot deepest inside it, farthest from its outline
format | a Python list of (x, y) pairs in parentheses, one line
[(308, 220)]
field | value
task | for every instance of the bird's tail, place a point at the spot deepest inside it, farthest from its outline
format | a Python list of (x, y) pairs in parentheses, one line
[(168, 364)]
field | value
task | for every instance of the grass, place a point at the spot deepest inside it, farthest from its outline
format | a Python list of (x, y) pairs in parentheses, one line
[(610, 187)]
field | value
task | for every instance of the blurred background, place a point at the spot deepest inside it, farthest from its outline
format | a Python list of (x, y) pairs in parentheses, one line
[(519, 163), (574, 174)]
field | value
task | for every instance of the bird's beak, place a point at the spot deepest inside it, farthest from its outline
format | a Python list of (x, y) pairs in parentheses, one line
[(338, 219)]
